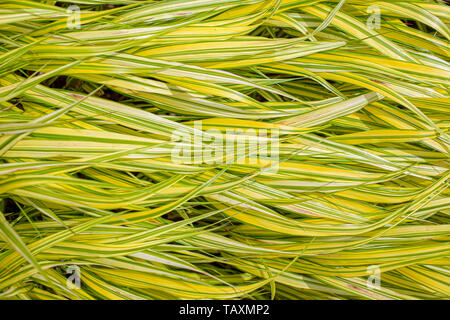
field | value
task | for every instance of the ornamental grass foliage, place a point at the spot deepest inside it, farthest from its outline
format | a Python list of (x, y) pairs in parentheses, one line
[(224, 149)]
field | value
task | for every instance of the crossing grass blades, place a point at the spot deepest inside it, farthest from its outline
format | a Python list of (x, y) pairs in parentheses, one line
[(91, 93)]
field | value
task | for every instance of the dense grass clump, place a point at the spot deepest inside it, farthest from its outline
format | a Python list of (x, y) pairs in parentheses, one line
[(113, 169)]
